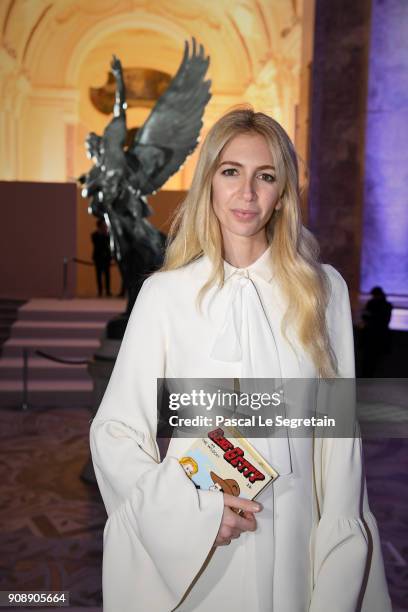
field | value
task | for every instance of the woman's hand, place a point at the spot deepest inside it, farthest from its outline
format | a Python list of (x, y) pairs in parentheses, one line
[(238, 517)]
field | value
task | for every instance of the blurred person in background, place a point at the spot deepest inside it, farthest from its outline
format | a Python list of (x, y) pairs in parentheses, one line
[(102, 256), (376, 338)]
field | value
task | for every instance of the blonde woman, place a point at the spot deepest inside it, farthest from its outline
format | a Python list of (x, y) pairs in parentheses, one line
[(189, 466), (241, 295)]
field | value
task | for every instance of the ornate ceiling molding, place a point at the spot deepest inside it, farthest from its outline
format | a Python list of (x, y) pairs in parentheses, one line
[(83, 24), (125, 21)]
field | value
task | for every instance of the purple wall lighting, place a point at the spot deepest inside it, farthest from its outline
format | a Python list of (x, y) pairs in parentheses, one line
[(385, 235)]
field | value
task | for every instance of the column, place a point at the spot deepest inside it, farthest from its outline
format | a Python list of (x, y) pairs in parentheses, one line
[(385, 236), (339, 92)]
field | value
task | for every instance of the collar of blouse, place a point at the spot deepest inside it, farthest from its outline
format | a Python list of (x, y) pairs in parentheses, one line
[(261, 268)]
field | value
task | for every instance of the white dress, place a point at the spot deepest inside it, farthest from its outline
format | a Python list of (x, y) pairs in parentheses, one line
[(316, 547)]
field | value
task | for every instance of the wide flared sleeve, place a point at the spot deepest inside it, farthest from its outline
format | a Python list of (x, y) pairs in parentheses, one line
[(348, 571), (160, 528)]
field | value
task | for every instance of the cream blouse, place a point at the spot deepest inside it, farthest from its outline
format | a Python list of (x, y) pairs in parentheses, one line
[(316, 547)]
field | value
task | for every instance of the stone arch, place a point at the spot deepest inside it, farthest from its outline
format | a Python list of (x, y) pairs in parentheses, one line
[(121, 22), (56, 43)]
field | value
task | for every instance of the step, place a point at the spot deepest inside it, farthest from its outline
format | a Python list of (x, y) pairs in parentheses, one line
[(66, 315), (62, 329), (47, 393), (59, 347), (71, 310), (41, 369)]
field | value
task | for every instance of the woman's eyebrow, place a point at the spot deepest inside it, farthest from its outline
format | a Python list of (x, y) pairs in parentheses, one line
[(230, 163), (238, 164), (266, 167)]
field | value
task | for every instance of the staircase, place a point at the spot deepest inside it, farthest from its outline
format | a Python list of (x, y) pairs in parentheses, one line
[(67, 329)]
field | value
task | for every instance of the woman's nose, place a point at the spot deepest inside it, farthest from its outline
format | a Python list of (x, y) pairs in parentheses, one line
[(248, 190)]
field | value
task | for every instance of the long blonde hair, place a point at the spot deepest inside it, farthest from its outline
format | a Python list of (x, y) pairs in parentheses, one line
[(195, 231)]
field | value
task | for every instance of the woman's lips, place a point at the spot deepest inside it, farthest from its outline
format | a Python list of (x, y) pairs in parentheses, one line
[(244, 215)]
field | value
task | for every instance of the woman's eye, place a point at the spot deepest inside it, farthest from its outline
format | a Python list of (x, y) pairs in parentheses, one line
[(269, 178), (229, 172)]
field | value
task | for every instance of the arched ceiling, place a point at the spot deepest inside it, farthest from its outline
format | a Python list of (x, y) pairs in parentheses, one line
[(53, 51), (49, 38)]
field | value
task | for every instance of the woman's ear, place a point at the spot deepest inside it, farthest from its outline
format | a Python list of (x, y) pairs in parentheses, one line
[(278, 205)]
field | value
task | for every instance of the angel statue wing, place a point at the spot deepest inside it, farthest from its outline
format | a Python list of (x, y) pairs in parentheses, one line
[(171, 131)]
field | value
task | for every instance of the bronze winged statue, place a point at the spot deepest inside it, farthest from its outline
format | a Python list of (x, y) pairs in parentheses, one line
[(121, 177)]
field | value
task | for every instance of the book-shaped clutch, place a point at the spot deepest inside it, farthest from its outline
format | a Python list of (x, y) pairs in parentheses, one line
[(225, 461)]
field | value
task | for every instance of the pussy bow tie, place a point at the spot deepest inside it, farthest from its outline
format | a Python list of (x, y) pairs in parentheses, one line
[(247, 336)]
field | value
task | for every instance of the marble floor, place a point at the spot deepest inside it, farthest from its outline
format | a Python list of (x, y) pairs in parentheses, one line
[(51, 521)]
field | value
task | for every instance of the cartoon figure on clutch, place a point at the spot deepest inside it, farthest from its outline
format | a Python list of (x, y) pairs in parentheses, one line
[(227, 485), (189, 465)]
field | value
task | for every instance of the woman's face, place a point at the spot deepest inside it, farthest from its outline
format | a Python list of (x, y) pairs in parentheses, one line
[(244, 188)]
